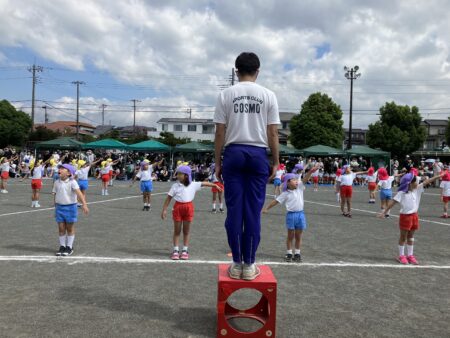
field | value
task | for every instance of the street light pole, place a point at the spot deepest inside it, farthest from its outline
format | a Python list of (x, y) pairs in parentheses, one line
[(78, 83), (351, 74)]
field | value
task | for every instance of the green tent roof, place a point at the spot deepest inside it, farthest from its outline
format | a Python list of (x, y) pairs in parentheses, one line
[(285, 150), (107, 143), (60, 143), (366, 151), (150, 145), (322, 150), (194, 147)]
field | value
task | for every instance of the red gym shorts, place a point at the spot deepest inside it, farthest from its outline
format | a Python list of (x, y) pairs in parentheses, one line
[(5, 175), (372, 186), (346, 191), (446, 199), (183, 212), (105, 177), (316, 179), (214, 189), (36, 184), (409, 221)]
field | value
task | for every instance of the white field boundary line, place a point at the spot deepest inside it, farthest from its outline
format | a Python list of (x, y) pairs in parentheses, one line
[(88, 259), (374, 212), (89, 203)]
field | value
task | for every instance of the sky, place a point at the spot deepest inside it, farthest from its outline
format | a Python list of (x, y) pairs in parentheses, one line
[(176, 56)]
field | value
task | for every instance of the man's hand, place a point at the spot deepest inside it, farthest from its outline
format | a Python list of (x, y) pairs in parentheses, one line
[(218, 172), (274, 172)]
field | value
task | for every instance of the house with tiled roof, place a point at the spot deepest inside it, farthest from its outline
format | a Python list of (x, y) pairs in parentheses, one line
[(69, 127)]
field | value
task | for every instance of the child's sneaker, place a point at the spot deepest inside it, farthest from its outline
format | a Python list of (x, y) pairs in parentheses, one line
[(37, 205), (412, 260), (175, 255), (184, 255), (444, 216), (297, 258), (221, 210), (402, 259), (288, 258), (250, 271), (214, 210), (235, 270), (61, 250), (68, 251), (106, 193)]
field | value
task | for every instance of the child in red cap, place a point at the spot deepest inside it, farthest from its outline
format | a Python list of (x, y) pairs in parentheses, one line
[(445, 193), (371, 184)]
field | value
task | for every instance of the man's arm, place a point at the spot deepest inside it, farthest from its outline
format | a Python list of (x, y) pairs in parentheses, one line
[(219, 141), (272, 137)]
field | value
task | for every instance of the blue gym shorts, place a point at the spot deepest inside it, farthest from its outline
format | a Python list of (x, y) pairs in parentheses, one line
[(67, 213), (296, 220), (146, 186), (385, 194), (83, 184), (276, 182)]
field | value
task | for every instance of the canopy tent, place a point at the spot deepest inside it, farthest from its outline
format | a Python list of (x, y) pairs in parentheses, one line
[(107, 143), (194, 147), (321, 150), (60, 143), (150, 145), (378, 157), (285, 150)]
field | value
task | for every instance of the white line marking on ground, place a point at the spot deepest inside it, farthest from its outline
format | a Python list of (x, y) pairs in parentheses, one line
[(89, 203), (87, 259), (375, 212)]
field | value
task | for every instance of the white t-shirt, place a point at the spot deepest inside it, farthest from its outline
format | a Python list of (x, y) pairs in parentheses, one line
[(65, 191), (5, 166), (181, 193), (105, 170), (386, 184), (347, 179), (409, 201), (315, 174), (445, 185), (292, 199), (372, 178), (247, 109), (83, 173), (145, 175), (37, 173), (279, 174)]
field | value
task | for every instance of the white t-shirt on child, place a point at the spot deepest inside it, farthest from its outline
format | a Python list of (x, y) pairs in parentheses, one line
[(409, 201), (445, 185), (347, 179), (181, 193), (279, 174), (247, 109), (292, 199), (65, 191), (145, 175), (386, 184)]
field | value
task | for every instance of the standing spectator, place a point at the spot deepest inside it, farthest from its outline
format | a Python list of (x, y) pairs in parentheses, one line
[(437, 172), (247, 120)]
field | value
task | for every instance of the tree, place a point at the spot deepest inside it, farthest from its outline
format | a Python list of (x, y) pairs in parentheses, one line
[(15, 125), (170, 140), (41, 133), (319, 122), (398, 130), (447, 133)]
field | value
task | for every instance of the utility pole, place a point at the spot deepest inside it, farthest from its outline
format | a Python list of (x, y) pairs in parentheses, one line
[(351, 74), (190, 113), (45, 115), (78, 83), (34, 69), (134, 116), (103, 106), (233, 73)]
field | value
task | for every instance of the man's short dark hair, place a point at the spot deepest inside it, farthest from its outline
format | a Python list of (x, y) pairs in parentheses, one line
[(247, 63)]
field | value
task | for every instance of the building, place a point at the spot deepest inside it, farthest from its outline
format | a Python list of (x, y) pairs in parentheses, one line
[(435, 134), (69, 127), (358, 136), (129, 131), (284, 131), (194, 129), (103, 129)]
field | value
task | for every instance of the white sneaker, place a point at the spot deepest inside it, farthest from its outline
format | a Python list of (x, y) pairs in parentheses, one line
[(250, 272), (103, 193), (106, 193), (235, 270), (32, 205), (4, 191), (37, 205)]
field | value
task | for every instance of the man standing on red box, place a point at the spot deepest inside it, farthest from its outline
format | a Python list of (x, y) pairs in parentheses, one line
[(247, 120)]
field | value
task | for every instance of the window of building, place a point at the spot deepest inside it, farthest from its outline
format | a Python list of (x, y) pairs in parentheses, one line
[(192, 127), (164, 127), (178, 127)]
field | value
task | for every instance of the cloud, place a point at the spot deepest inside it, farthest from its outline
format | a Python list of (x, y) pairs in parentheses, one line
[(182, 51)]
